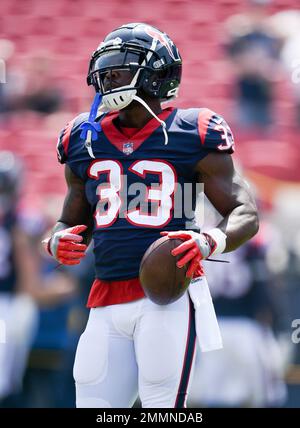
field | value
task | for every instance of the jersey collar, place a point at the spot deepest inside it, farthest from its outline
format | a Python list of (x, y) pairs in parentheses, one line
[(115, 136)]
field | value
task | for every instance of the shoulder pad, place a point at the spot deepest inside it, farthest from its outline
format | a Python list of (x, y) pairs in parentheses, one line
[(214, 132), (65, 135)]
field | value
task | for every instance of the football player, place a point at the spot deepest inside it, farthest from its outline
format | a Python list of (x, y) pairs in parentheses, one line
[(128, 144), (23, 286), (18, 277)]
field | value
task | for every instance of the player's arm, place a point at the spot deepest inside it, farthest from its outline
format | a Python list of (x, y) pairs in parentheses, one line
[(231, 196), (76, 209), (73, 231)]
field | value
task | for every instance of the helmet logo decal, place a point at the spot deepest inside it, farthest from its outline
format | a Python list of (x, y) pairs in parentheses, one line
[(162, 38)]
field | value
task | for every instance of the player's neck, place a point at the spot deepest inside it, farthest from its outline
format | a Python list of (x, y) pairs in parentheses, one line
[(136, 116)]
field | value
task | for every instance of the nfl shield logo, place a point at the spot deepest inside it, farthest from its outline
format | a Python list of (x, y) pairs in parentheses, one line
[(127, 148)]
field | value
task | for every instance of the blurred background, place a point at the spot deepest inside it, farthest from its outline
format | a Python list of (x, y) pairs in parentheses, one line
[(241, 58)]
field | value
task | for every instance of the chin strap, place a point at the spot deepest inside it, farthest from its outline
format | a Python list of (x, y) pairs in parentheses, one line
[(90, 128), (163, 124)]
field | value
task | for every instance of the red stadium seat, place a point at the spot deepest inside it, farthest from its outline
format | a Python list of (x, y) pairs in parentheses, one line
[(51, 8)]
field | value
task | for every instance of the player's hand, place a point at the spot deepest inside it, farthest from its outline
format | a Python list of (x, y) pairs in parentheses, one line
[(65, 245), (196, 247)]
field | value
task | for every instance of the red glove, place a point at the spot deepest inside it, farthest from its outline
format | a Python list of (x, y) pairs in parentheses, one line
[(197, 246), (64, 245)]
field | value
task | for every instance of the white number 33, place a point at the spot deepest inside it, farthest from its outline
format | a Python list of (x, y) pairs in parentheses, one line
[(226, 134)]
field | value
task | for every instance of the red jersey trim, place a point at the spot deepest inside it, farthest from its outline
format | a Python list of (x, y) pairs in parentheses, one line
[(115, 136), (203, 121), (104, 293), (66, 136), (128, 132)]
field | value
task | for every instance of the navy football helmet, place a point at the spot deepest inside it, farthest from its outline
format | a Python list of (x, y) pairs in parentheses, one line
[(149, 54)]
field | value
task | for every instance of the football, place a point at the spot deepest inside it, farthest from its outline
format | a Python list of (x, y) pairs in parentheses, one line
[(162, 281)]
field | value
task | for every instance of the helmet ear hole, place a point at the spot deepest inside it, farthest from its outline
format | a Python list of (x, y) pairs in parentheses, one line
[(151, 83), (159, 83)]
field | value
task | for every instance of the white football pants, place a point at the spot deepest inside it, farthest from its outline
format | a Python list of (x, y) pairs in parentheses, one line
[(136, 348)]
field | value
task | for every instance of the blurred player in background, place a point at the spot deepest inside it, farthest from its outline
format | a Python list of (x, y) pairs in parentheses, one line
[(24, 288), (249, 370), (48, 380), (120, 152), (18, 278)]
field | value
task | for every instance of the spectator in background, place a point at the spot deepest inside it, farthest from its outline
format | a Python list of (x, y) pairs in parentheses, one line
[(12, 80), (41, 93), (254, 50), (286, 25), (34, 88)]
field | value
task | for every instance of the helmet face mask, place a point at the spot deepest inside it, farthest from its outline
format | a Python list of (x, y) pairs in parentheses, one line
[(148, 54), (109, 61)]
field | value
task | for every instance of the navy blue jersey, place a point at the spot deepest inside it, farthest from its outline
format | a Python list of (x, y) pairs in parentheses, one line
[(137, 186)]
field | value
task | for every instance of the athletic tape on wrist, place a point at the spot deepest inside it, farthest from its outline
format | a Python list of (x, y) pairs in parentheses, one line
[(220, 239)]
